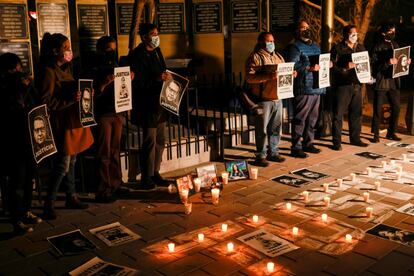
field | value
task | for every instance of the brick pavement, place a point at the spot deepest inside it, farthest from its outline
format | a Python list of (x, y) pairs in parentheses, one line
[(159, 218)]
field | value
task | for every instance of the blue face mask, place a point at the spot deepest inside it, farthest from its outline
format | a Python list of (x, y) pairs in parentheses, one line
[(270, 47), (155, 41)]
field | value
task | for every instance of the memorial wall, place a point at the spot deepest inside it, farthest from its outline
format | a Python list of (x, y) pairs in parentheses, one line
[(214, 33)]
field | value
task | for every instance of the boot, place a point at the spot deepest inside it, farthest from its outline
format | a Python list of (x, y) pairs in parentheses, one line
[(49, 210), (73, 202)]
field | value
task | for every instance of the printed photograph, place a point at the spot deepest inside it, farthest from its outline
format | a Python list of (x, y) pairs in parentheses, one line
[(402, 67), (206, 174), (291, 181), (310, 174), (393, 234), (172, 92), (71, 243), (370, 155), (86, 103), (237, 169)]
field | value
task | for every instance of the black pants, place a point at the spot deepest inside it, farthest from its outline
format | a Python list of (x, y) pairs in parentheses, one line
[(347, 98), (393, 96), (152, 149)]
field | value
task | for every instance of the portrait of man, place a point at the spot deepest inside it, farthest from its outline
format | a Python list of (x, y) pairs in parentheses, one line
[(172, 91), (87, 103), (39, 130)]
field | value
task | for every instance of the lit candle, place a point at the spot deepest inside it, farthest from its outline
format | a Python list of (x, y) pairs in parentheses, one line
[(188, 208), (353, 177), (384, 164), (377, 185), (224, 227), (230, 247), (184, 196), (215, 194), (225, 177), (197, 184), (254, 173), (327, 201), (270, 267), (404, 156), (369, 211), (288, 206), (325, 187), (392, 162), (171, 247), (348, 238), (398, 176), (200, 237), (255, 218), (339, 182), (295, 231), (399, 169), (366, 196), (369, 171), (305, 195), (324, 218)]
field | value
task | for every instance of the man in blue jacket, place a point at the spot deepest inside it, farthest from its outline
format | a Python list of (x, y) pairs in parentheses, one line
[(307, 98)]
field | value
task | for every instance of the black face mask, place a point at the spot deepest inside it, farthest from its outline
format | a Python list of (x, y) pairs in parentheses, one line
[(305, 34), (110, 57), (389, 36)]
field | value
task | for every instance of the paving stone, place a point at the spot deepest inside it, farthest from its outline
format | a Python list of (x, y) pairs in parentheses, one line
[(375, 248), (392, 264), (186, 265), (65, 264), (27, 264), (349, 264)]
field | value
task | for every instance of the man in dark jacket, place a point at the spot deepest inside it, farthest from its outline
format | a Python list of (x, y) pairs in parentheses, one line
[(306, 101), (347, 88), (382, 63), (147, 62)]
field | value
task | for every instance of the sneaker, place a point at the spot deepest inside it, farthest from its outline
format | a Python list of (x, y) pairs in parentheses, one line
[(276, 158), (21, 228), (359, 144), (336, 147), (261, 162), (105, 198), (311, 148), (157, 179), (376, 139), (298, 153), (31, 218), (393, 137), (147, 184), (75, 203)]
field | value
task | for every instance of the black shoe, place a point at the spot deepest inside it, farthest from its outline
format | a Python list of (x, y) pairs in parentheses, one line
[(74, 202), (157, 178), (359, 144), (121, 191), (105, 198), (21, 228), (298, 153), (336, 147), (31, 218), (49, 210), (261, 162), (311, 148), (376, 139), (276, 158), (147, 184), (393, 137)]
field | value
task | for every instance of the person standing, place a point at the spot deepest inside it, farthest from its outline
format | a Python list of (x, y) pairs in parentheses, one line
[(385, 86), (18, 98), (347, 94), (109, 123), (307, 98), (148, 65), (261, 75), (59, 91)]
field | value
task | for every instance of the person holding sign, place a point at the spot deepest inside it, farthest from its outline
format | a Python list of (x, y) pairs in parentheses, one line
[(18, 97), (59, 91), (261, 75), (109, 123), (347, 89), (148, 64), (307, 98), (386, 86)]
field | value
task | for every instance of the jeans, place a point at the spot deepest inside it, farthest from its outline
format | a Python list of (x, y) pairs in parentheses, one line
[(63, 172), (393, 97), (347, 98), (304, 121), (152, 149), (268, 129)]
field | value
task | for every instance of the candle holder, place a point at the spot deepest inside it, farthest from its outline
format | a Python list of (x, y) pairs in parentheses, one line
[(348, 238), (270, 267), (225, 178), (197, 184), (327, 201), (200, 237), (215, 195), (305, 195), (254, 172), (369, 211)]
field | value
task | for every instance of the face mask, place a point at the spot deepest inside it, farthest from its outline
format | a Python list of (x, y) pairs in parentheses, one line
[(305, 34), (270, 47), (110, 57), (389, 36), (155, 41), (353, 38), (68, 56)]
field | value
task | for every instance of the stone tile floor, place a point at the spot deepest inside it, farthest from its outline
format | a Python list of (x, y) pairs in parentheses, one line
[(158, 217)]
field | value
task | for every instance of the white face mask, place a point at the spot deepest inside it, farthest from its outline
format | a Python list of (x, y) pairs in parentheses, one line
[(155, 41), (353, 38)]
